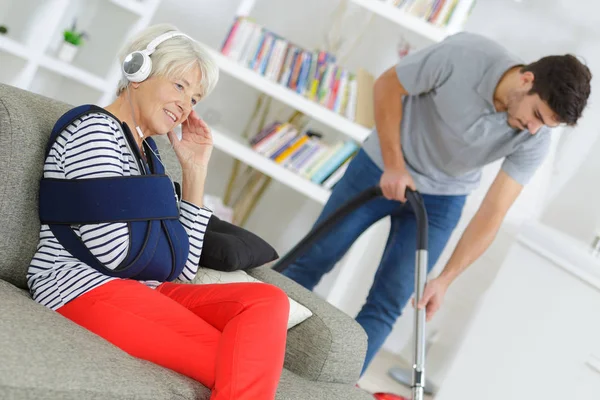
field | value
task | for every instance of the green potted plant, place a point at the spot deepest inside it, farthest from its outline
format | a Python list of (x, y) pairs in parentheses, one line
[(72, 40), (3, 30)]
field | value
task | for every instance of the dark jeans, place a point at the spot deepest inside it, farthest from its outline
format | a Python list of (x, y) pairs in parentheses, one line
[(394, 281)]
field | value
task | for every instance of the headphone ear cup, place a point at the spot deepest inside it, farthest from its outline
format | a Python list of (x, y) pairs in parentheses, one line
[(137, 66)]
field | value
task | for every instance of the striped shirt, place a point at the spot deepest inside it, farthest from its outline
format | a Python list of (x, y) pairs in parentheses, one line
[(94, 146)]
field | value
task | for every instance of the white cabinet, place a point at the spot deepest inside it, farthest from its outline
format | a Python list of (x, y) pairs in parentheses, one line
[(29, 51), (536, 334)]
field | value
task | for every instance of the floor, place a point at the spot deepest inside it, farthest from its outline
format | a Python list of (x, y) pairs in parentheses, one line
[(376, 378)]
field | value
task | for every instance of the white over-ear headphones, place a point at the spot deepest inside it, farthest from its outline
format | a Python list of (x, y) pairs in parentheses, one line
[(138, 65)]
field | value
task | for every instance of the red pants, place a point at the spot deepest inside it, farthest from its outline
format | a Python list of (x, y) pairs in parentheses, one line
[(229, 337)]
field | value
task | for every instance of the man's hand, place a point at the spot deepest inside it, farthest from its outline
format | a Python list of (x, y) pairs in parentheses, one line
[(394, 183), (433, 296)]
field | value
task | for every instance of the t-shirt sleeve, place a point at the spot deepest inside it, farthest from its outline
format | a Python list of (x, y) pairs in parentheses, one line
[(522, 164), (427, 69)]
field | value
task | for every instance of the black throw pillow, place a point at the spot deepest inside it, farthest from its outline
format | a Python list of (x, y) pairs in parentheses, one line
[(228, 247)]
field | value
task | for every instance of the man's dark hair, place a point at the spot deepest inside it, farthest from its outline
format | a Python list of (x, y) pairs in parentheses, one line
[(564, 83)]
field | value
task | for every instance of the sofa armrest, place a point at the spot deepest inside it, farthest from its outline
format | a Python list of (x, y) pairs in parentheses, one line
[(329, 346)]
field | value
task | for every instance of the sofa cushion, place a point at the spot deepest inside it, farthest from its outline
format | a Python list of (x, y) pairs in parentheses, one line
[(45, 355), (228, 247), (298, 313), (293, 387), (26, 120)]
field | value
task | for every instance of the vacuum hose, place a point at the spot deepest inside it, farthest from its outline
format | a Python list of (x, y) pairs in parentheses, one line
[(414, 199), (416, 202)]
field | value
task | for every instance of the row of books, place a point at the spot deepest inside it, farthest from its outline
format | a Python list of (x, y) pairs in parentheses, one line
[(437, 12), (312, 74), (304, 152)]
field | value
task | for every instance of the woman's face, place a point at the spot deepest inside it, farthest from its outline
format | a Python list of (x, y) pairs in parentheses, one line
[(164, 103)]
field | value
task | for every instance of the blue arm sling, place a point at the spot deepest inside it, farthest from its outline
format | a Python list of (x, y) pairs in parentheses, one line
[(158, 242)]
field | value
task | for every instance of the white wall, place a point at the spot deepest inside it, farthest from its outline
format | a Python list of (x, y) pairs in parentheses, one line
[(530, 28), (574, 208), (533, 29)]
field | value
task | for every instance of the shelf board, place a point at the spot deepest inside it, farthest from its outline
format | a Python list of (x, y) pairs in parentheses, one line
[(289, 97), (15, 48), (134, 6), (244, 153), (72, 72), (399, 17)]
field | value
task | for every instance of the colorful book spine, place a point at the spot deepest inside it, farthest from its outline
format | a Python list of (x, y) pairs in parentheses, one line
[(290, 150), (312, 74), (334, 162)]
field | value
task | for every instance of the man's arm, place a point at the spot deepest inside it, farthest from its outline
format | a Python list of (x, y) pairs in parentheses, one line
[(484, 226), (475, 240), (387, 97), (417, 73)]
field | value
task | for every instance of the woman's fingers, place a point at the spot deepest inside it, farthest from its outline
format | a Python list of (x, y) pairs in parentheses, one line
[(173, 138), (194, 126), (194, 115), (204, 127)]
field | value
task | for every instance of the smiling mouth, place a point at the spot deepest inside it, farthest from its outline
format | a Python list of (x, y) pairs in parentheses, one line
[(171, 115)]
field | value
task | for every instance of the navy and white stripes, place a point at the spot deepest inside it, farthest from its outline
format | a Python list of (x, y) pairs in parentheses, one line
[(94, 147)]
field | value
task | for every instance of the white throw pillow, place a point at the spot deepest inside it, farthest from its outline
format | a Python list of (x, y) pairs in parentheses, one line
[(298, 312)]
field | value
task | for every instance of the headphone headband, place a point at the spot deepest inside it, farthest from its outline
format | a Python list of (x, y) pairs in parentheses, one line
[(165, 36), (138, 65)]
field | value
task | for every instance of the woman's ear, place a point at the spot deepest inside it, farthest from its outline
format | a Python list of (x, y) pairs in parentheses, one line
[(135, 85)]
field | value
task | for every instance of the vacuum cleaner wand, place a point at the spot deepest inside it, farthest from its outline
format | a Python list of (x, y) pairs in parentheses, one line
[(415, 200)]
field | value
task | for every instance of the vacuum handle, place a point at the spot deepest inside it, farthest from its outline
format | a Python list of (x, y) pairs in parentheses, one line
[(413, 198), (418, 206)]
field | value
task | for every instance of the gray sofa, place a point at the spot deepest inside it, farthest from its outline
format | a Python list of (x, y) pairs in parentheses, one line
[(46, 356)]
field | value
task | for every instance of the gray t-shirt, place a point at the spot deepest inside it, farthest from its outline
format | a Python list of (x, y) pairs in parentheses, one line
[(450, 128)]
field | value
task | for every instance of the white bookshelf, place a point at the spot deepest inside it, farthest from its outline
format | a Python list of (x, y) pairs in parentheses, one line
[(290, 97), (432, 32), (75, 73), (15, 48), (390, 12), (227, 143), (28, 58), (313, 110), (14, 58), (133, 6), (35, 33)]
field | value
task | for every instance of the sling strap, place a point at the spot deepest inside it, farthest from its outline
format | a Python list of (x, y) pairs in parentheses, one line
[(158, 242)]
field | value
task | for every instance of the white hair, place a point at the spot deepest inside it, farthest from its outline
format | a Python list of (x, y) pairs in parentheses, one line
[(172, 58)]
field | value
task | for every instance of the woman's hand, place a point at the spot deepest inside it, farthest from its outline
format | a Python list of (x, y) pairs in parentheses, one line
[(196, 144)]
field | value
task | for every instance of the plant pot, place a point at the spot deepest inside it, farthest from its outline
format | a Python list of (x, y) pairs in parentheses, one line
[(67, 51)]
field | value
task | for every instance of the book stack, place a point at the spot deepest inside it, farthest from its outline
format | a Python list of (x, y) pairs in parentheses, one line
[(305, 153), (312, 74), (437, 12)]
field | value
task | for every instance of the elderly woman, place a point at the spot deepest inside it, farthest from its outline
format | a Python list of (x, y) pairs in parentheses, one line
[(114, 232)]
